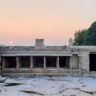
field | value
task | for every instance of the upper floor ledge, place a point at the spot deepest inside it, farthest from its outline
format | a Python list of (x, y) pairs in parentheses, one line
[(40, 46)]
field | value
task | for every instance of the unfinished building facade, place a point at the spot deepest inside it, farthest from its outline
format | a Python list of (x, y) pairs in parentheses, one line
[(48, 60)]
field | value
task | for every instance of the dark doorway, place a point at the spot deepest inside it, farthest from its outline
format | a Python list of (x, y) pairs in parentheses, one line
[(10, 62), (50, 61), (38, 61), (63, 62), (24, 62), (92, 62)]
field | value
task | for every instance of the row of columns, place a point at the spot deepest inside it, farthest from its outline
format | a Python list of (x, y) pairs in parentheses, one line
[(31, 62), (72, 62), (75, 62)]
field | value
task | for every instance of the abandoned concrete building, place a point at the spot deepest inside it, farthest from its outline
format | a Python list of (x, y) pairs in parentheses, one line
[(47, 60)]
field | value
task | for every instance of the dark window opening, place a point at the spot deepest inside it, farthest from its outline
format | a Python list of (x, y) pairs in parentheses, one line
[(64, 62), (10, 62), (24, 62), (92, 62), (38, 61), (51, 61)]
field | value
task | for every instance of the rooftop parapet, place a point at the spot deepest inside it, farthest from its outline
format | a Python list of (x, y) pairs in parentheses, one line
[(39, 42)]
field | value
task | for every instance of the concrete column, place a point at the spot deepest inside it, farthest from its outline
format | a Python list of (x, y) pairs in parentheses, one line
[(31, 62), (44, 62), (79, 62), (71, 61), (17, 63), (57, 62)]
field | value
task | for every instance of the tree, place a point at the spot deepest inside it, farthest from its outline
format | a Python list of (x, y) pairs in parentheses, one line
[(86, 37), (79, 37)]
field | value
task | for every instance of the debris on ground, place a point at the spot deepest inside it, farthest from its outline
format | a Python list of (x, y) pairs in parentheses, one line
[(48, 86)]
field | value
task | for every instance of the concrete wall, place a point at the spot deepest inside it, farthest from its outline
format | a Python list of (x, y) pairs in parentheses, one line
[(84, 62), (79, 59), (74, 61)]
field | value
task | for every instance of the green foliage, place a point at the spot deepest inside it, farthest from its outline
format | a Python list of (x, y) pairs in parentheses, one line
[(80, 37), (86, 37)]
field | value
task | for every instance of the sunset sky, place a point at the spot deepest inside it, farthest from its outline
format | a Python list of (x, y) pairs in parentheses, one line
[(22, 21)]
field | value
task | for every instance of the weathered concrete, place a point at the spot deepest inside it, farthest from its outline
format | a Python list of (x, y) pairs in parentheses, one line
[(78, 58)]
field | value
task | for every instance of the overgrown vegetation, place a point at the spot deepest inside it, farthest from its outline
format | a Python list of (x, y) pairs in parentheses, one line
[(86, 36)]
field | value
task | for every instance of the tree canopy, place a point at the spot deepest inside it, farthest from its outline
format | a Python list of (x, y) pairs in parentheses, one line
[(86, 36)]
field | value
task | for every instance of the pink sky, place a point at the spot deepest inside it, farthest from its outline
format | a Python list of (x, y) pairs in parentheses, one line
[(22, 21)]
